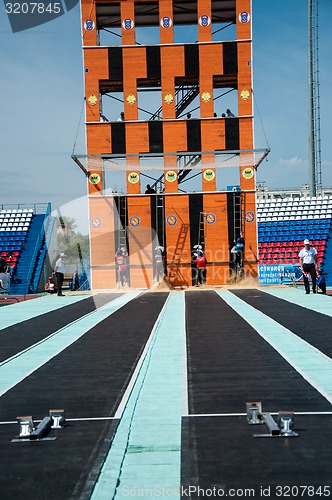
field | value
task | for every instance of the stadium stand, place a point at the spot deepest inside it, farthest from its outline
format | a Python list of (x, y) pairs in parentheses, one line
[(283, 225), (23, 244)]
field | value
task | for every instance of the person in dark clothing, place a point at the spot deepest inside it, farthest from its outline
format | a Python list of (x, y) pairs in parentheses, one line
[(149, 190), (75, 281), (308, 263), (239, 246), (3, 265), (159, 263), (321, 282), (59, 270)]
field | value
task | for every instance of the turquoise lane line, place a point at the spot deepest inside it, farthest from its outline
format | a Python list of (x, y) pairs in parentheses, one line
[(22, 311), (145, 455), (315, 302), (21, 366), (312, 364)]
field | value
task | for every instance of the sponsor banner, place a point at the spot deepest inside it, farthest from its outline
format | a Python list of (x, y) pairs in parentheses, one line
[(279, 274)]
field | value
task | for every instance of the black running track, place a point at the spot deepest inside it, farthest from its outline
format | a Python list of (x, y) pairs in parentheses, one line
[(311, 326), (88, 379), (229, 364), (19, 336), (221, 453)]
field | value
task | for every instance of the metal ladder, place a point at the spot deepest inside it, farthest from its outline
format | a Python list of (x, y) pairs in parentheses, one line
[(237, 207), (173, 269), (123, 222), (184, 96), (201, 229), (160, 219)]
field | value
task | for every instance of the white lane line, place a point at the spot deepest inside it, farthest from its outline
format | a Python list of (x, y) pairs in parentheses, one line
[(198, 415)]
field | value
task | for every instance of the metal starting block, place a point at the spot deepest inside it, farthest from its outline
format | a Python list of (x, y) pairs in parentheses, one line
[(282, 428), (57, 418), (26, 426), (286, 423), (28, 431), (254, 413)]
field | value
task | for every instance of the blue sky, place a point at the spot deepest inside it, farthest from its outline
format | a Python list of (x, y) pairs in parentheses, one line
[(41, 91)]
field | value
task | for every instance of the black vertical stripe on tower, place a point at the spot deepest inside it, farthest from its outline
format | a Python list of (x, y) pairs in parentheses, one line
[(158, 233), (194, 135), (124, 217), (195, 209), (153, 64), (117, 222), (154, 224), (118, 130), (232, 134), (157, 218), (120, 218), (229, 58), (230, 225), (191, 60), (153, 209), (156, 143), (115, 69)]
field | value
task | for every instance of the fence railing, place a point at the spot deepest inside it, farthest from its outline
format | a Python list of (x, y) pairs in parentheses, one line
[(38, 208), (37, 247)]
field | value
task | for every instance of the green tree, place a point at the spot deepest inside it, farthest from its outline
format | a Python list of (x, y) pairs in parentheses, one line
[(73, 243)]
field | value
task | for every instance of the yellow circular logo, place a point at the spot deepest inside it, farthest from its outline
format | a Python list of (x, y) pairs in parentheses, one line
[(206, 96), (92, 100), (209, 174), (131, 99), (168, 98), (248, 173), (94, 178), (133, 177), (245, 94), (171, 176)]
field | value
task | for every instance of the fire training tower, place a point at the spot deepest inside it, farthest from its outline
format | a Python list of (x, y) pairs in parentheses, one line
[(167, 141)]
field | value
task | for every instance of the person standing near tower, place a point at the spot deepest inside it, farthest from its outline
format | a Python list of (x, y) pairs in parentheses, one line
[(121, 257), (59, 270), (308, 263), (201, 268)]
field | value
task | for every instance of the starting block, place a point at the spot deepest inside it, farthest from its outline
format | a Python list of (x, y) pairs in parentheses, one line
[(254, 413), (282, 428), (28, 431), (26, 426), (57, 418)]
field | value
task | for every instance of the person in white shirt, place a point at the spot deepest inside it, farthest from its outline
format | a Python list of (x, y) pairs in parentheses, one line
[(309, 265), (59, 270)]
